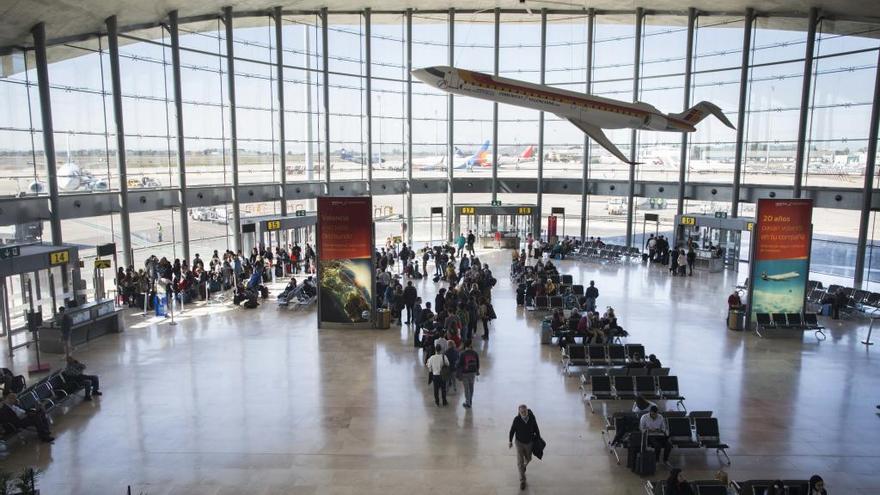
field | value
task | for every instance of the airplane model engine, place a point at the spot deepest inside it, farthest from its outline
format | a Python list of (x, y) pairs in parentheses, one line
[(657, 122)]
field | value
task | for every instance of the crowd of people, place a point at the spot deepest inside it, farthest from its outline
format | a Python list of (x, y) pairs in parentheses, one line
[(191, 281)]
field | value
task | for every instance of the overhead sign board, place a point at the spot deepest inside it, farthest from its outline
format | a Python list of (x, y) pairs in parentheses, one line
[(468, 210), (524, 210), (10, 252), (300, 213), (273, 225), (557, 210), (688, 221), (102, 264)]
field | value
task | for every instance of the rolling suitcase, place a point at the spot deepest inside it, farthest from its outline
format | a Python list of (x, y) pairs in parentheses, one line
[(646, 461), (546, 333), (520, 299)]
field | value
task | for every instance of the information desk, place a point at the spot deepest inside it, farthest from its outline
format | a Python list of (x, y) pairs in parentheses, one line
[(708, 261), (83, 324), (509, 240)]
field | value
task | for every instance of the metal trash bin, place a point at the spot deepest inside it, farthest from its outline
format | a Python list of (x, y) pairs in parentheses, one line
[(736, 320), (383, 319)]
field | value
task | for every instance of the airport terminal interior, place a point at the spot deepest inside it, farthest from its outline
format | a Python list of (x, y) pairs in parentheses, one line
[(334, 247)]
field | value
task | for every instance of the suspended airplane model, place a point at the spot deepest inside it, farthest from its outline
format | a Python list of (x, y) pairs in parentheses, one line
[(588, 113)]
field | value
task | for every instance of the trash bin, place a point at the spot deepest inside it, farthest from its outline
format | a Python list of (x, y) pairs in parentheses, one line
[(383, 319), (736, 320)]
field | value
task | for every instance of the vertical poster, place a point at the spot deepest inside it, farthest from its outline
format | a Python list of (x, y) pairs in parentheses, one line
[(345, 262), (781, 257), (551, 227)]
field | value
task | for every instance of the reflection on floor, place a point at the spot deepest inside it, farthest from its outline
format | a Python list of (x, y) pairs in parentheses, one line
[(259, 401)]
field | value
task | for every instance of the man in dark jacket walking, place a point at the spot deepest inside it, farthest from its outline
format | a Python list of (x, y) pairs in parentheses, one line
[(409, 300), (468, 368), (523, 432)]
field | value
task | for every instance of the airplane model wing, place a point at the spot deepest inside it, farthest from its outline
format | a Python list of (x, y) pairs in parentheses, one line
[(601, 139)]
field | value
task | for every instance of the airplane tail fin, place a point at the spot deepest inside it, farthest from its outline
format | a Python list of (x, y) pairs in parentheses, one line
[(528, 152), (700, 111), (485, 146)]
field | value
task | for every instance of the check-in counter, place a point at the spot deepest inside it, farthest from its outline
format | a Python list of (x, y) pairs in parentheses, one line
[(509, 240), (707, 261), (82, 324)]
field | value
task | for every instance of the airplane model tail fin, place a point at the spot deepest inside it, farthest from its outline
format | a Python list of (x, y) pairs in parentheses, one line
[(700, 111)]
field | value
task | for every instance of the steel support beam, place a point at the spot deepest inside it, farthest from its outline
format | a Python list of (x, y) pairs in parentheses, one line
[(494, 220), (800, 153), (588, 88), (867, 191), (233, 126), (183, 217), (688, 80), (741, 116), (368, 72), (409, 129), (279, 78), (450, 132), (539, 200), (325, 75), (116, 88), (42, 62), (633, 149)]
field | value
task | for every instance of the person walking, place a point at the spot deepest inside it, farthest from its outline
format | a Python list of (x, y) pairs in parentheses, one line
[(159, 231), (691, 259), (591, 294), (468, 368), (524, 433), (436, 365)]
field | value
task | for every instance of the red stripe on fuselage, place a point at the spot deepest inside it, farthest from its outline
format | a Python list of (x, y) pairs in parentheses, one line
[(485, 81)]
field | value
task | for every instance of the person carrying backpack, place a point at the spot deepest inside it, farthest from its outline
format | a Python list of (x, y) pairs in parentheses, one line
[(468, 368)]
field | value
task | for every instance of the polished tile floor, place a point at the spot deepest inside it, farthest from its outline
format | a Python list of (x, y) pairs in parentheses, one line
[(233, 401)]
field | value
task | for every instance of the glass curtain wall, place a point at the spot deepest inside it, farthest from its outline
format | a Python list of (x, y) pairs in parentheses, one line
[(21, 142), (348, 124), (429, 110), (302, 76), (388, 99), (472, 130)]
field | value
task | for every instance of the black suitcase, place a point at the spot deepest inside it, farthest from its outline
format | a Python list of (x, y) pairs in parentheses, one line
[(436, 278), (646, 460), (633, 442), (520, 299), (279, 271)]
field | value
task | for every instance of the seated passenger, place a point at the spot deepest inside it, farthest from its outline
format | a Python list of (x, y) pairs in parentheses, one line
[(73, 373), (653, 425), (557, 322), (642, 406), (676, 484), (653, 362), (550, 288), (777, 488), (817, 485), (734, 301), (13, 418), (636, 361)]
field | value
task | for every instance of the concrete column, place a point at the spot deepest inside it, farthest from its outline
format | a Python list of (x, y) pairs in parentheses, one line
[(450, 133), (233, 125), (536, 229), (743, 102), (409, 129), (279, 76), (325, 73), (591, 24), (868, 189), (637, 66), (116, 85), (688, 81), (42, 63), (183, 217), (800, 153)]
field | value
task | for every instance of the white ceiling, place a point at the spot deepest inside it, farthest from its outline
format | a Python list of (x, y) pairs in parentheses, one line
[(65, 18)]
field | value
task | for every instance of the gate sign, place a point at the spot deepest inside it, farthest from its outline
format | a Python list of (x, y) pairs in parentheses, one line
[(59, 257), (300, 213), (10, 252), (102, 264), (781, 256), (273, 224)]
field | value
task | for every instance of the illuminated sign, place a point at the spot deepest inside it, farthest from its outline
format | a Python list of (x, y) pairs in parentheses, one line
[(688, 221), (59, 257), (102, 263), (524, 210), (750, 226), (468, 210), (273, 225)]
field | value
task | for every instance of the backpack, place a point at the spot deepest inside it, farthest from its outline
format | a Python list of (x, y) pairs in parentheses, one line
[(469, 362)]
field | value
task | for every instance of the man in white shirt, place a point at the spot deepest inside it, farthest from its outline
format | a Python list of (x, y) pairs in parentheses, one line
[(435, 365), (654, 426)]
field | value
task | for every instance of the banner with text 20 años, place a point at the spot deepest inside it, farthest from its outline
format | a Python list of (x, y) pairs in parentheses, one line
[(345, 262), (781, 256)]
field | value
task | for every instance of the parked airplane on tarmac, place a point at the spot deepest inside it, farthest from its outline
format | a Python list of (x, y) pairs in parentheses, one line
[(588, 113)]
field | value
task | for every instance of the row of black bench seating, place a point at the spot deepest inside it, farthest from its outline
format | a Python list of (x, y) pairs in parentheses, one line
[(612, 371), (856, 299), (698, 430), (611, 388), (600, 355), (715, 487), (50, 393), (805, 322)]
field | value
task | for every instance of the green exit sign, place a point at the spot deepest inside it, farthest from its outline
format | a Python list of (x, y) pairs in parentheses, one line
[(720, 214), (9, 252), (300, 213), (496, 203)]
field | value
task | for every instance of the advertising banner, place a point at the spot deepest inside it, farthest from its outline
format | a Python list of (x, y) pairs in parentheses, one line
[(781, 256), (345, 262), (551, 226)]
